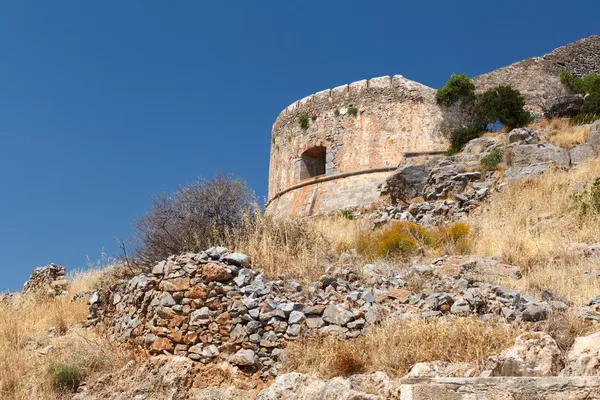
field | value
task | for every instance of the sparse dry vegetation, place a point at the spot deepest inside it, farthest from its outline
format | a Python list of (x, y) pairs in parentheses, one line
[(394, 346), (536, 224), (30, 323), (562, 132)]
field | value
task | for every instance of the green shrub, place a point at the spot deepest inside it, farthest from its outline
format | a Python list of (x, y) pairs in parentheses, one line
[(65, 377), (583, 118), (336, 112), (490, 161), (347, 214), (589, 199), (303, 120), (462, 136), (589, 85), (352, 111), (503, 104), (458, 87)]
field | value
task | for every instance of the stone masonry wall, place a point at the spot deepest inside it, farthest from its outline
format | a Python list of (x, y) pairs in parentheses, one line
[(394, 115), (537, 77)]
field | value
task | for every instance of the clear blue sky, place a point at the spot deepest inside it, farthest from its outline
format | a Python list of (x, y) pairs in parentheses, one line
[(106, 103)]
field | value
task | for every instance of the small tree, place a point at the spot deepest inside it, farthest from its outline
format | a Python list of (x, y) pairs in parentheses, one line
[(462, 136), (458, 87), (503, 104), (193, 218), (588, 85)]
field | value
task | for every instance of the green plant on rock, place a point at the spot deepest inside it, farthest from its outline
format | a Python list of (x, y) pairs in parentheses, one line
[(458, 87), (65, 378), (336, 112), (490, 161), (462, 136), (347, 214), (504, 104), (303, 120), (352, 111)]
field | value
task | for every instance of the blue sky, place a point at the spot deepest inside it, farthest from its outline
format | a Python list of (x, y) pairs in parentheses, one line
[(104, 104)]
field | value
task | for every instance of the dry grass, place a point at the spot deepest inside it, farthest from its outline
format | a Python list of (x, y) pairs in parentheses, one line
[(534, 224), (394, 346), (562, 132), (24, 330), (282, 246)]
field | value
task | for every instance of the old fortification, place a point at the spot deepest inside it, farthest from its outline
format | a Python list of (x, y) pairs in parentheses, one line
[(332, 150), (356, 135), (537, 77)]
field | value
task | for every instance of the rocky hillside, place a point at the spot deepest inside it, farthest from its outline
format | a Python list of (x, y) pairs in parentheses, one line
[(480, 278)]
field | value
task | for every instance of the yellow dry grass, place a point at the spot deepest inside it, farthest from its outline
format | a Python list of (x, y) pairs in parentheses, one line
[(535, 223), (394, 346), (562, 132), (24, 330)]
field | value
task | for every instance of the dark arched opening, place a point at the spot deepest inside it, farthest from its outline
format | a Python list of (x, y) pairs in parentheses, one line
[(313, 162)]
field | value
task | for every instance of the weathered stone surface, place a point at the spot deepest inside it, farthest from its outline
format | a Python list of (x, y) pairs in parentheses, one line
[(522, 136), (563, 106), (239, 259), (581, 153), (47, 280), (534, 354), (213, 272), (528, 154), (407, 182), (583, 359)]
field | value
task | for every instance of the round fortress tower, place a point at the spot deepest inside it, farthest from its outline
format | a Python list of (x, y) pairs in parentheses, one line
[(331, 150)]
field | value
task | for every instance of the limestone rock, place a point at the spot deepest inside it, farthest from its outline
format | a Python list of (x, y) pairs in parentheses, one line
[(533, 354), (583, 359), (523, 136), (564, 106), (581, 153)]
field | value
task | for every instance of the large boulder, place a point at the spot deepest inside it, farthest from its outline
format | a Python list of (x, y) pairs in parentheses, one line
[(477, 148), (523, 136), (407, 182), (594, 136), (445, 178), (583, 359), (527, 154), (581, 153), (533, 354), (564, 106)]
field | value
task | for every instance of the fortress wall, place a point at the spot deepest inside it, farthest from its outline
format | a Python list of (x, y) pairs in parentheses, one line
[(394, 115), (329, 196), (537, 77)]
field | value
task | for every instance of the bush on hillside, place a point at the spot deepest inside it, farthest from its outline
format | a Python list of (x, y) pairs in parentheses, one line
[(503, 104), (193, 218), (65, 378), (458, 87), (462, 136), (590, 86), (490, 161)]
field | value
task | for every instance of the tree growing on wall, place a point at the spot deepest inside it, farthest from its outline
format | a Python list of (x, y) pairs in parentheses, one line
[(458, 88)]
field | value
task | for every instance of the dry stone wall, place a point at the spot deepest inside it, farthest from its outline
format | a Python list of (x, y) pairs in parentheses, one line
[(49, 280), (364, 129), (537, 77)]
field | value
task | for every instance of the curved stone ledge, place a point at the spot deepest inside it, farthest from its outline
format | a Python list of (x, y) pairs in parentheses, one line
[(323, 178)]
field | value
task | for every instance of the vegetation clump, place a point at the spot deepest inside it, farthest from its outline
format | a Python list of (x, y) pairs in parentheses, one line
[(491, 161), (401, 239), (503, 104), (589, 199), (303, 120), (462, 136), (458, 88), (352, 111), (65, 378), (589, 86), (500, 104), (193, 218)]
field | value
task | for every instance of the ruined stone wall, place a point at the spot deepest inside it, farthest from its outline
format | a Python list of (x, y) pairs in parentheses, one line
[(394, 115), (537, 77)]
